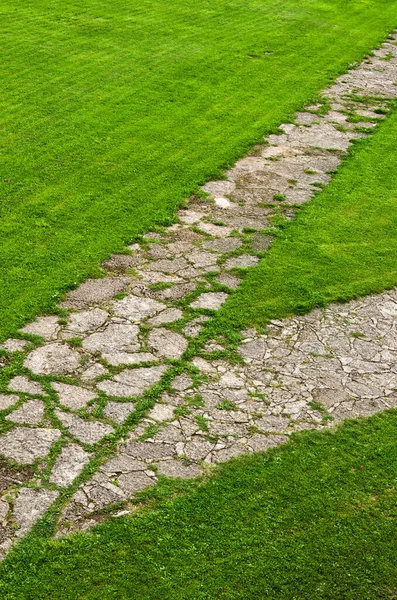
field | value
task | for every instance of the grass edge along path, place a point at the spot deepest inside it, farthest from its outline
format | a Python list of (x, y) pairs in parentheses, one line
[(341, 245), (99, 150), (314, 519)]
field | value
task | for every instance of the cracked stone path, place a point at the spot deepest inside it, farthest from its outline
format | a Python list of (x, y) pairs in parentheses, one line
[(88, 377)]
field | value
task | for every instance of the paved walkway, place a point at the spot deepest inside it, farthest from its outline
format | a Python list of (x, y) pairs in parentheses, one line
[(95, 372)]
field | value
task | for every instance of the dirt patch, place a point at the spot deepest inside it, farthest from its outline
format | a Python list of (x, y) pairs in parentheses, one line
[(12, 476)]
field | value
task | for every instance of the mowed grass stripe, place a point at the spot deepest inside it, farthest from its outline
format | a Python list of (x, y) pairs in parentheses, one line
[(112, 114)]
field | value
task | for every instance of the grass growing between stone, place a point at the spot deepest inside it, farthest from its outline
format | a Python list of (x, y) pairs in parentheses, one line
[(111, 115), (341, 245), (315, 519)]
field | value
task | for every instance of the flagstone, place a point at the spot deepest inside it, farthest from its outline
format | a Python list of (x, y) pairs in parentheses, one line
[(227, 244), (46, 327), (231, 281), (88, 432), (31, 413), (197, 451), (123, 464), (30, 505), (149, 451), (166, 343), (21, 383), (4, 509), (176, 292), (54, 359), (243, 261), (87, 320), (128, 358), (93, 371), (121, 263), (162, 412), (261, 242), (202, 258), (182, 382), (69, 464), (117, 337), (193, 327), (136, 309), (14, 345), (215, 230), (6, 401), (210, 300), (95, 290), (25, 445), (132, 382), (73, 396), (168, 265), (99, 492), (170, 315), (118, 411), (135, 481), (175, 468)]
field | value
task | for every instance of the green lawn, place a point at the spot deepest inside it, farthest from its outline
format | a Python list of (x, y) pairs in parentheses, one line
[(313, 520), (342, 244), (112, 113)]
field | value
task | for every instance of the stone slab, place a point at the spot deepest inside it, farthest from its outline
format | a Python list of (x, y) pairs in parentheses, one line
[(117, 337), (93, 291), (21, 383), (166, 343), (210, 300), (46, 327), (132, 382), (73, 396), (30, 413), (69, 464), (25, 445), (30, 505), (118, 411), (53, 359), (128, 358), (88, 432), (167, 316), (136, 309), (14, 345), (87, 320), (8, 400)]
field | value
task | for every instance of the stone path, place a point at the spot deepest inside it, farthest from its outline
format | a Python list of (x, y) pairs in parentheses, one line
[(109, 386)]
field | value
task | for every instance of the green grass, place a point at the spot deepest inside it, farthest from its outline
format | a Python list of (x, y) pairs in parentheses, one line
[(314, 520), (112, 113), (341, 245)]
